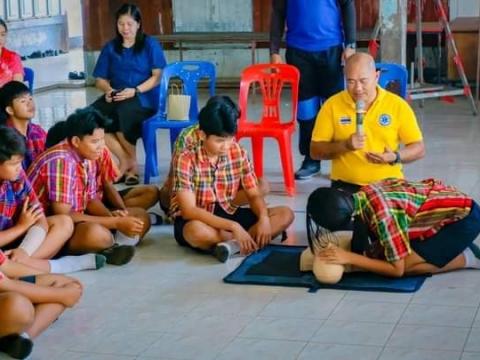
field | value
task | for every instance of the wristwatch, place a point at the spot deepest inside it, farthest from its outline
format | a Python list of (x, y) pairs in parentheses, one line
[(351, 46), (137, 90), (397, 160)]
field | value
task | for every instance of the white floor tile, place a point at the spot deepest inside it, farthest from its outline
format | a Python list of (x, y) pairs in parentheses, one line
[(393, 353), (473, 342), (281, 328), (353, 333), (240, 349), (438, 315), (429, 337), (370, 311), (315, 351)]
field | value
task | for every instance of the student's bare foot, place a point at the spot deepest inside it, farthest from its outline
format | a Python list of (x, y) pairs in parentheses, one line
[(16, 346), (71, 294)]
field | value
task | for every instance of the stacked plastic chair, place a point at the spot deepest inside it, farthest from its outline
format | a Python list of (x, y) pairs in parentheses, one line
[(190, 73), (29, 77), (271, 80), (391, 74)]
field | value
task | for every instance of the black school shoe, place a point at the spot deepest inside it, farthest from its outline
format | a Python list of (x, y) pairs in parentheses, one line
[(119, 254), (16, 346)]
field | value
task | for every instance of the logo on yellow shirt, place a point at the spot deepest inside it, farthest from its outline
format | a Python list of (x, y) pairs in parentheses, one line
[(385, 120)]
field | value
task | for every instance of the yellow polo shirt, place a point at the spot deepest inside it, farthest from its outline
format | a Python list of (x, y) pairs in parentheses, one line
[(389, 122)]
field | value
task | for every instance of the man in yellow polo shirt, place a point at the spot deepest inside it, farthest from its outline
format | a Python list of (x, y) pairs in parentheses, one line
[(363, 158)]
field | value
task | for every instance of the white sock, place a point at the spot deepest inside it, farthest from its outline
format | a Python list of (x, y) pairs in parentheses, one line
[(153, 218), (233, 245), (471, 261), (122, 239), (69, 264), (25, 335)]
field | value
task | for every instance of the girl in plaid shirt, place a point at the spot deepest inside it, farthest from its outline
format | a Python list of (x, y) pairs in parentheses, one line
[(400, 227)]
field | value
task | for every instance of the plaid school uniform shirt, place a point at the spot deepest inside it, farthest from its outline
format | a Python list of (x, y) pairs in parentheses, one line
[(106, 171), (398, 211), (2, 260), (34, 141), (188, 139), (211, 183), (13, 194), (61, 175)]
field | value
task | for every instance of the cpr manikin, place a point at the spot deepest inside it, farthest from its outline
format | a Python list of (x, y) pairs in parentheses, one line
[(326, 273)]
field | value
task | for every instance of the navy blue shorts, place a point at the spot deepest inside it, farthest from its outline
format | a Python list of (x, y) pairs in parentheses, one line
[(31, 279), (450, 241), (244, 216)]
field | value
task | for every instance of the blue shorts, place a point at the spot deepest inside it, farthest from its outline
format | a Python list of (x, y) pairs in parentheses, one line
[(450, 241), (30, 279)]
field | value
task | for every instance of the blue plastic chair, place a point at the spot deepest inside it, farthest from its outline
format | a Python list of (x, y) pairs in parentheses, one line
[(29, 77), (390, 73), (190, 73)]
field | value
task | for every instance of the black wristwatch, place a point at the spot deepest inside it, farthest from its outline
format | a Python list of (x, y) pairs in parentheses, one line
[(398, 159), (351, 46), (137, 90)]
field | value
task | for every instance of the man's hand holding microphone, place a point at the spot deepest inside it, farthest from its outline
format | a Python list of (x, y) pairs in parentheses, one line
[(357, 139)]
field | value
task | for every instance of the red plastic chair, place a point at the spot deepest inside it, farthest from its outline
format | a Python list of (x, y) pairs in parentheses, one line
[(271, 79)]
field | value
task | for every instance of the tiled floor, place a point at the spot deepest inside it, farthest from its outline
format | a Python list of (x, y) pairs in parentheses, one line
[(170, 303)]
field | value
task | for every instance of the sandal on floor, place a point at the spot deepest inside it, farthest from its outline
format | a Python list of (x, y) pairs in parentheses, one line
[(120, 180), (132, 179)]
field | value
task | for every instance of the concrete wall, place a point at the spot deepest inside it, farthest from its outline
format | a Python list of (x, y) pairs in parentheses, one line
[(73, 9), (464, 8), (212, 15)]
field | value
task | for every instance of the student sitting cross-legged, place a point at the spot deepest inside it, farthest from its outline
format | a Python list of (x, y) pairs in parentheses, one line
[(29, 303), (26, 235), (115, 203), (141, 197), (206, 180), (64, 178)]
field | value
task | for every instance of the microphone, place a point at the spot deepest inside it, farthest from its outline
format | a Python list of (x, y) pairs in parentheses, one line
[(360, 113)]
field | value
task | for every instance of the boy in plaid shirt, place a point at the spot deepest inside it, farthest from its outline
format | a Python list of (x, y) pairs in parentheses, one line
[(18, 109), (25, 233), (400, 227), (30, 301), (206, 180), (65, 180), (138, 198), (189, 138)]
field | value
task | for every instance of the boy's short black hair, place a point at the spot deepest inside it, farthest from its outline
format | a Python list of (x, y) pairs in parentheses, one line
[(84, 122), (9, 92), (219, 117), (11, 143), (56, 133)]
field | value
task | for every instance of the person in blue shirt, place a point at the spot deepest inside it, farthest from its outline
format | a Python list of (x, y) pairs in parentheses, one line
[(128, 72), (320, 36)]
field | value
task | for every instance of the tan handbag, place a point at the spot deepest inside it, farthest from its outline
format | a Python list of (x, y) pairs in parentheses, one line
[(178, 104)]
